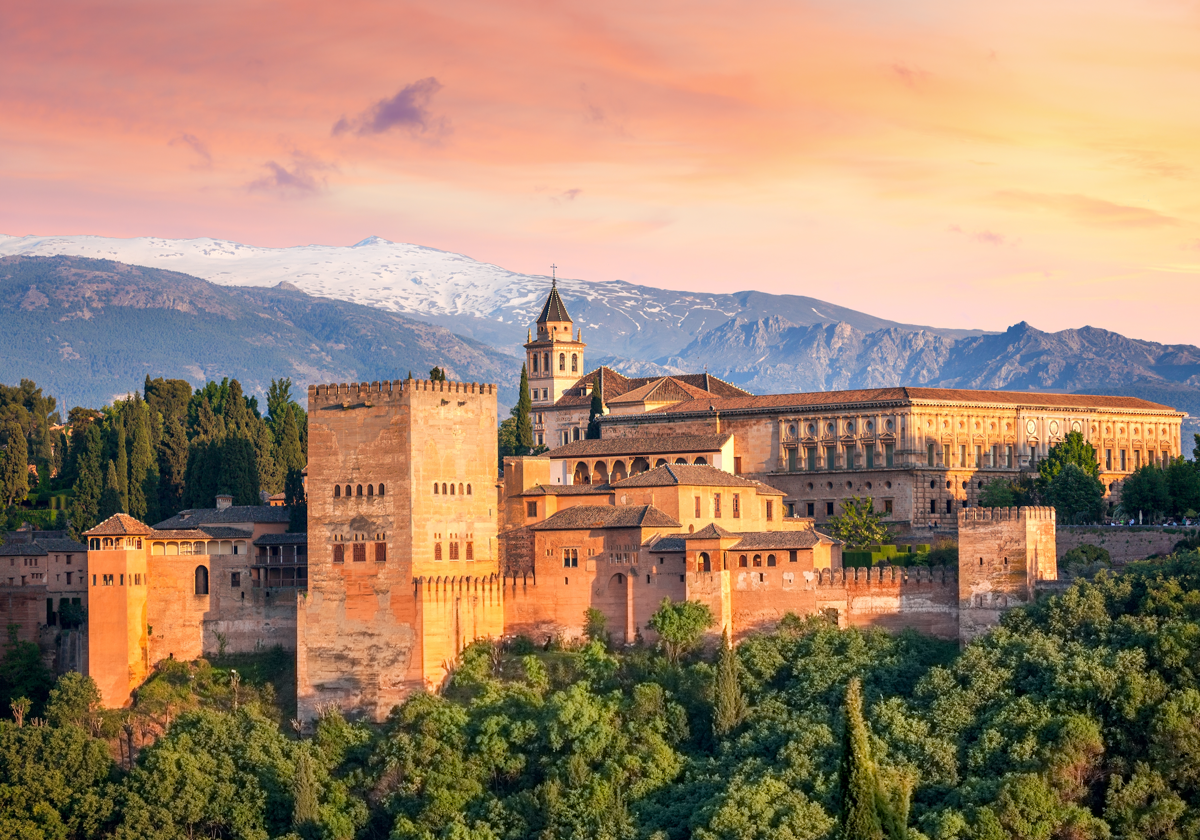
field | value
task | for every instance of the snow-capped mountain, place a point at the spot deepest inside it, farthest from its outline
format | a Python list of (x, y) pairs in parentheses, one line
[(472, 298)]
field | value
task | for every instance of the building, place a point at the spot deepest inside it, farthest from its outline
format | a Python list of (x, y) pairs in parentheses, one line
[(921, 454), (48, 559), (562, 394)]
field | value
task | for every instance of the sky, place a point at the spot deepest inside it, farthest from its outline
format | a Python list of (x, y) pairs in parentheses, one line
[(964, 165)]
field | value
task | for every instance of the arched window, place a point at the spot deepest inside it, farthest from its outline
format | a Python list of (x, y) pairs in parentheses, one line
[(380, 489), (451, 489), (702, 461), (562, 361), (546, 362), (770, 559), (661, 462), (757, 560), (201, 580), (468, 489), (681, 460), (437, 552), (535, 361), (349, 492), (359, 493), (370, 490), (460, 489), (337, 491), (704, 563), (435, 488), (444, 493), (742, 561), (574, 363)]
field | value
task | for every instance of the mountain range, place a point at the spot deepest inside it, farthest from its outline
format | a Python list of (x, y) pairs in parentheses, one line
[(377, 308)]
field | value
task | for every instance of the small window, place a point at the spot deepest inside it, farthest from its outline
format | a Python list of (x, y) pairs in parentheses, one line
[(743, 561), (380, 489), (829, 508), (697, 507), (949, 506), (453, 551), (370, 490), (887, 507), (757, 560), (737, 506), (339, 553), (380, 552), (460, 489), (737, 464), (435, 488), (770, 511), (437, 552), (574, 363), (717, 505), (770, 559), (470, 551), (359, 492), (792, 556), (235, 579), (468, 489), (360, 552), (562, 361), (933, 505), (531, 508), (337, 491), (451, 489), (201, 580), (811, 507), (444, 493)]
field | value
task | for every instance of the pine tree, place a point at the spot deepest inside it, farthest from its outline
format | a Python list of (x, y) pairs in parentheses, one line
[(122, 463), (14, 476), (859, 818), (521, 412), (729, 703), (110, 499), (437, 375), (305, 793)]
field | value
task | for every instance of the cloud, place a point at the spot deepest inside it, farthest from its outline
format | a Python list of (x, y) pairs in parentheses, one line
[(407, 109), (196, 145), (304, 178), (985, 237), (1095, 211), (908, 75)]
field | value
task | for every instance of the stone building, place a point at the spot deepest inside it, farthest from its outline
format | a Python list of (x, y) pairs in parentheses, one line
[(46, 559), (921, 454)]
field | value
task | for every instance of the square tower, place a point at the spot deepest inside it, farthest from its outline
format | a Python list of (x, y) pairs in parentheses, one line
[(402, 511), (553, 360)]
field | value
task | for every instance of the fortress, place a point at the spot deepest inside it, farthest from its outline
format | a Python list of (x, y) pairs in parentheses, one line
[(694, 491)]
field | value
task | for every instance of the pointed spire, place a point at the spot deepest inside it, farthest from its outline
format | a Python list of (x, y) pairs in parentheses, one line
[(555, 309)]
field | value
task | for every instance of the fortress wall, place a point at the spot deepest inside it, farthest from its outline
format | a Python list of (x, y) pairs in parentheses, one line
[(174, 612), (247, 618), (895, 598), (25, 607), (1124, 545), (453, 612)]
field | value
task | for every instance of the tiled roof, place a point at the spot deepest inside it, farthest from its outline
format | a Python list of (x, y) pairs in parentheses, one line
[(38, 543), (640, 445), (612, 384), (119, 525), (555, 309), (906, 395), (668, 542), (283, 539), (697, 475), (712, 531), (22, 550), (64, 546), (568, 490), (179, 534), (224, 532), (765, 540), (584, 517), (259, 514), (666, 389)]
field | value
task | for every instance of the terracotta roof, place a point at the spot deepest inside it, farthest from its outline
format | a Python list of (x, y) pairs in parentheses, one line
[(668, 542), (283, 539), (666, 389), (259, 514), (699, 475), (757, 540), (120, 525), (568, 490), (586, 517), (62, 545), (612, 384), (179, 534), (640, 445), (223, 532), (555, 309), (908, 396), (711, 531)]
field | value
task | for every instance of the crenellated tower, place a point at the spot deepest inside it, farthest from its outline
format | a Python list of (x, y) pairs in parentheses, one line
[(554, 359)]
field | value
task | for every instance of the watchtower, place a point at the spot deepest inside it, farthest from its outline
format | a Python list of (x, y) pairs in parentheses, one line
[(554, 359)]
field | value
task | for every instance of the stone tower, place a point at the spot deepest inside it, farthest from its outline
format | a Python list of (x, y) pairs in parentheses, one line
[(403, 563), (554, 359), (1003, 553)]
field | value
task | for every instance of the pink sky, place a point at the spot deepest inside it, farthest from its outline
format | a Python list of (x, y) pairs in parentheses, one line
[(958, 164)]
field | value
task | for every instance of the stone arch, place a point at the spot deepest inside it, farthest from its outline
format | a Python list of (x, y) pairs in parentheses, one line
[(444, 491), (582, 475), (681, 460), (435, 489), (600, 473), (460, 488), (742, 561), (661, 462), (618, 471), (157, 549), (349, 491), (757, 561), (639, 465), (451, 488), (201, 575), (358, 491), (534, 368), (770, 559), (381, 489), (703, 562), (701, 461)]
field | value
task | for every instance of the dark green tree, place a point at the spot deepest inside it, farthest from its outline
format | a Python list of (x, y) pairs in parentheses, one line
[(121, 459), (1076, 496), (89, 485), (237, 471), (437, 375), (143, 468), (279, 403), (75, 701), (521, 412), (859, 524), (296, 500), (1072, 449), (305, 793), (1145, 493), (22, 673), (729, 702), (110, 498), (1183, 487), (997, 493), (289, 455), (14, 474), (173, 459), (596, 411), (270, 477)]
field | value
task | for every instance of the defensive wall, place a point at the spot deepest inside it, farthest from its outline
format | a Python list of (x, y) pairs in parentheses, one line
[(1124, 544)]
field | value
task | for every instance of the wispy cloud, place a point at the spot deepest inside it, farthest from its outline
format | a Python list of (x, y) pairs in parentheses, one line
[(909, 75), (196, 145), (408, 109), (985, 237), (305, 177), (1094, 211)]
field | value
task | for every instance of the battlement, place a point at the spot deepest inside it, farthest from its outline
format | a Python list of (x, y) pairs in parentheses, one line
[(904, 576), (342, 394), (1009, 514), (455, 584)]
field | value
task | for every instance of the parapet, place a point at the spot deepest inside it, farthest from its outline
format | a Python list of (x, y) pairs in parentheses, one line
[(455, 584), (1007, 514), (343, 394), (903, 576)]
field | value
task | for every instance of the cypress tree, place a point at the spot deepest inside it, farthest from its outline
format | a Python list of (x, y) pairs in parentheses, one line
[(143, 473), (521, 412), (122, 463), (234, 463), (110, 498), (14, 478), (172, 467), (270, 475), (289, 455), (597, 409), (305, 792), (237, 415), (279, 403), (729, 703), (60, 453), (89, 484), (297, 501), (860, 817)]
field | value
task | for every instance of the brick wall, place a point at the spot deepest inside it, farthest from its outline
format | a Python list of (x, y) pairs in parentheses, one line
[(1124, 545)]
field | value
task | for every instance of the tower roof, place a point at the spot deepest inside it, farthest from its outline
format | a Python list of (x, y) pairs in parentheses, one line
[(555, 309)]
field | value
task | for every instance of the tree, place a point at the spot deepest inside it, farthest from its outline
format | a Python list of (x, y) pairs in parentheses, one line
[(296, 500), (1145, 492), (729, 703), (14, 475), (121, 459), (859, 817), (279, 403), (437, 375), (289, 455), (88, 487), (679, 625), (859, 524), (172, 466), (22, 673), (594, 624), (74, 701), (270, 475), (304, 792), (1076, 496), (143, 469), (110, 497), (1072, 449), (597, 411), (1183, 487), (997, 493), (515, 435)]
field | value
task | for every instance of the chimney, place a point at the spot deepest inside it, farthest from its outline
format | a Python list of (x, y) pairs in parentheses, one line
[(223, 501)]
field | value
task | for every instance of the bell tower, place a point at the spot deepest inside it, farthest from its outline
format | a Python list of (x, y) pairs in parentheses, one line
[(554, 358)]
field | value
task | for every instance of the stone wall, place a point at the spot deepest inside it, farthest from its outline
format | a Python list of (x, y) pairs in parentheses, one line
[(25, 607), (245, 618), (894, 599), (452, 612), (1124, 545), (174, 612)]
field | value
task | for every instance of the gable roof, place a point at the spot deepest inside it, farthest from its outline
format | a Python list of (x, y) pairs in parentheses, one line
[(120, 525), (668, 542), (766, 540), (699, 475), (666, 389), (568, 490), (612, 384), (587, 517), (711, 531), (640, 445), (258, 514), (555, 309)]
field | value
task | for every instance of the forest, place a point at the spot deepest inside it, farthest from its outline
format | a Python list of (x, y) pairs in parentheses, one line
[(152, 454), (1078, 718)]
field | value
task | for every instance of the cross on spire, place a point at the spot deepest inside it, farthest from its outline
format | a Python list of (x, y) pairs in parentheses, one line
[(553, 278)]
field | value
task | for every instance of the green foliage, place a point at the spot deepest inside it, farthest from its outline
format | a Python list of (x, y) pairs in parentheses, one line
[(729, 701), (22, 673), (858, 524), (515, 435), (595, 411), (1183, 486), (110, 497), (14, 468), (1071, 450), (860, 817), (437, 375), (1145, 492), (75, 701), (1077, 497), (296, 500), (679, 625), (998, 493), (594, 625), (1085, 558)]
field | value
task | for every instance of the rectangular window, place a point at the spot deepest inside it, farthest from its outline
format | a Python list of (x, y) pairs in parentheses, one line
[(811, 454), (533, 393), (829, 508), (887, 507), (339, 553), (962, 455), (1008, 456), (792, 556), (541, 441), (454, 551), (1123, 460), (531, 508), (570, 558), (1137, 459), (716, 505), (470, 551), (575, 433), (831, 457), (93, 580), (870, 457), (978, 457), (994, 456), (380, 552), (851, 457), (791, 460), (889, 454), (949, 506), (737, 506), (737, 464), (1108, 459), (812, 509), (235, 579), (697, 507), (929, 454), (770, 511), (933, 505), (122, 580), (360, 552)]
